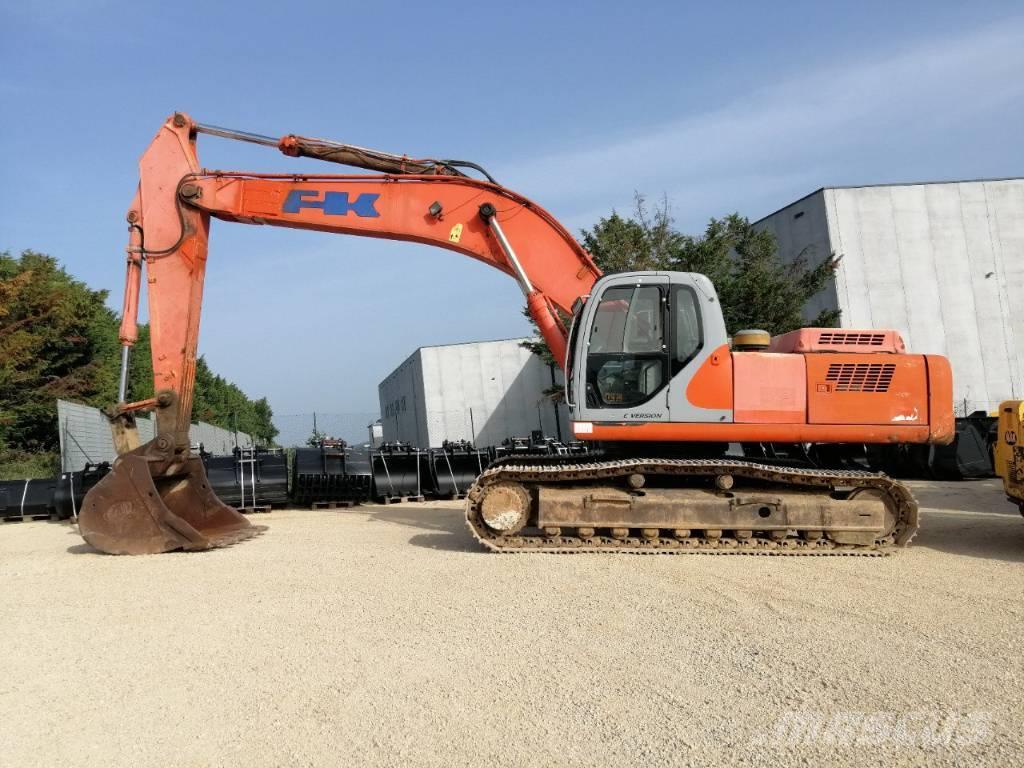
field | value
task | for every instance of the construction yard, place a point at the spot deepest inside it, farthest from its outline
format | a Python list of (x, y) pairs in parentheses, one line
[(384, 635)]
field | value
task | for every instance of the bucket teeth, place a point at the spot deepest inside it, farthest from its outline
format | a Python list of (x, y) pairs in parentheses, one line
[(229, 538)]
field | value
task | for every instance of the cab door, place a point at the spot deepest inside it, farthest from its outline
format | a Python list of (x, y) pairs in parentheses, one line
[(639, 342), (621, 365), (699, 345)]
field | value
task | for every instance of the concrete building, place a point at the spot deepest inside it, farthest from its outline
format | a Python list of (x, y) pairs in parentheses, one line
[(481, 391), (942, 263)]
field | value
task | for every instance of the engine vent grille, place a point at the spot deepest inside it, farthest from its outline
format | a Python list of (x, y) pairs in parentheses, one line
[(846, 338), (861, 377)]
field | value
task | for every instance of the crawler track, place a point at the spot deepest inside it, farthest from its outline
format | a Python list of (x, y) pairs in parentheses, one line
[(534, 471)]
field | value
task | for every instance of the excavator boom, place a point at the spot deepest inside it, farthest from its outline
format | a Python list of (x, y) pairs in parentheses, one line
[(430, 203)]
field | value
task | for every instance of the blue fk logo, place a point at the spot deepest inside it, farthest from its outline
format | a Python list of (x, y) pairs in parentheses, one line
[(332, 203)]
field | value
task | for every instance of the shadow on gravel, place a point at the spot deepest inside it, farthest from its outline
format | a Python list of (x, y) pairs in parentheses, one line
[(447, 542), (973, 534), (447, 527), (82, 549), (430, 519)]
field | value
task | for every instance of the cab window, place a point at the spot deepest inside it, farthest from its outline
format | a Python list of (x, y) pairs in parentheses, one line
[(626, 353), (688, 333)]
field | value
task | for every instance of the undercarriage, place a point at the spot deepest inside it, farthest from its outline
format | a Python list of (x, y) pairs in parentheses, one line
[(679, 505)]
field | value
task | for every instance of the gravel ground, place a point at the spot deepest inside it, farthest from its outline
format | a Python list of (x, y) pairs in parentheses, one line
[(385, 636)]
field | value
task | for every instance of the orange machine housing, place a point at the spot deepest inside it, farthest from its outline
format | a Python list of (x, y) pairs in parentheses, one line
[(830, 388), (815, 385), (822, 376)]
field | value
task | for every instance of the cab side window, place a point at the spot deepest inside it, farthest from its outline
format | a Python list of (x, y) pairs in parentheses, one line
[(688, 333)]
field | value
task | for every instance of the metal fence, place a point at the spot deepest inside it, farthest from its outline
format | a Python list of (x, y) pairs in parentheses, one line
[(85, 436), (296, 428)]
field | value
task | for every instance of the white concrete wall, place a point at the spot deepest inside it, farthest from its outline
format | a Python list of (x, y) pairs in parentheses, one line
[(482, 392), (941, 263), (401, 403), (85, 436), (216, 439), (801, 228)]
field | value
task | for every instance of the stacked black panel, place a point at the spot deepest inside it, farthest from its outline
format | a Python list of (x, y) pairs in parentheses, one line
[(27, 499), (401, 471), (455, 466), (72, 486), (249, 477)]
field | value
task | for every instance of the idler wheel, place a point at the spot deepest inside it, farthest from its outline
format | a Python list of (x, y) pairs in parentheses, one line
[(505, 508), (891, 513)]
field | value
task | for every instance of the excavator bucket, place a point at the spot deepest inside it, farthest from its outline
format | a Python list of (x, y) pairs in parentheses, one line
[(157, 500)]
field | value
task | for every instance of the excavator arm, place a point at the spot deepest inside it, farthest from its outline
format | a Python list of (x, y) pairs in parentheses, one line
[(424, 201), (158, 498)]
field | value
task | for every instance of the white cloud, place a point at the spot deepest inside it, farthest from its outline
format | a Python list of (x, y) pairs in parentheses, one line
[(790, 133)]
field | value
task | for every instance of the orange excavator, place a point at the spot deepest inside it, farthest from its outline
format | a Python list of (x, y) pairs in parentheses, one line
[(651, 375)]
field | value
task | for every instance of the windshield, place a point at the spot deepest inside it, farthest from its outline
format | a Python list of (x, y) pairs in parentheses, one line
[(626, 360)]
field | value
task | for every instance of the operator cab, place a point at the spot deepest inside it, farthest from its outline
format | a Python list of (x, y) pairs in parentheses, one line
[(636, 343)]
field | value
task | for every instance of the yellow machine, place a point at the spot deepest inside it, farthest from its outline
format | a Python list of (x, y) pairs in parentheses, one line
[(1009, 450)]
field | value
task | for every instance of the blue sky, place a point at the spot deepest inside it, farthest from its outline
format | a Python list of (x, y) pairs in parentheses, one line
[(721, 106)]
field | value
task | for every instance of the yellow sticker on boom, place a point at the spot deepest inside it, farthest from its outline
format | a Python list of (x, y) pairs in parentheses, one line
[(456, 234)]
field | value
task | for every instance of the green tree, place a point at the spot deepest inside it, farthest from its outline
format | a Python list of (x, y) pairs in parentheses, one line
[(646, 241), (220, 402), (54, 343), (756, 288), (58, 339), (140, 367)]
